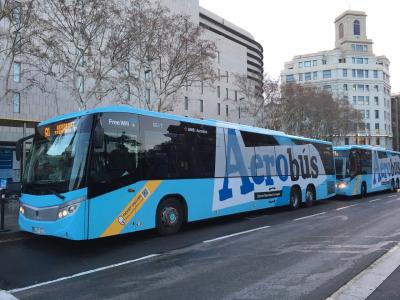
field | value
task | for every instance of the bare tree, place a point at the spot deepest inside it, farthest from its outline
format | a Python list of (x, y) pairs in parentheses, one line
[(15, 35), (311, 112), (168, 53), (81, 44), (255, 95)]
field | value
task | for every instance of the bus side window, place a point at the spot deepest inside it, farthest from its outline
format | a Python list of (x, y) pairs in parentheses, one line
[(117, 162), (354, 161)]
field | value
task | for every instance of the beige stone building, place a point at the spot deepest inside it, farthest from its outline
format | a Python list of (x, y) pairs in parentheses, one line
[(353, 72)]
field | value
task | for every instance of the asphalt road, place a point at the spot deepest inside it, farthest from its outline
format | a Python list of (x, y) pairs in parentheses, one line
[(304, 254)]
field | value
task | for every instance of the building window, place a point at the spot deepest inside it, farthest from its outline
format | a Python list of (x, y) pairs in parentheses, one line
[(16, 102), (376, 126), (219, 109), (367, 100), (17, 72), (218, 57), (345, 87), (327, 74), (307, 76), (344, 72), (367, 115), (300, 64), (202, 87), (366, 74), (18, 41), (378, 140), (360, 60), (368, 126), (376, 100), (201, 105), (227, 76), (341, 31), (327, 88), (80, 84), (346, 141), (356, 27), (301, 77), (375, 73), (239, 112), (307, 64), (360, 73), (360, 100), (324, 61), (376, 114), (360, 87), (366, 61), (354, 87), (314, 63), (367, 87), (236, 96), (376, 87), (147, 95), (218, 91), (227, 110), (354, 100), (226, 93), (289, 78), (17, 14), (186, 103), (315, 75)]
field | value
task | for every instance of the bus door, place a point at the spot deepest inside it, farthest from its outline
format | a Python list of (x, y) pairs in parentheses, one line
[(114, 175)]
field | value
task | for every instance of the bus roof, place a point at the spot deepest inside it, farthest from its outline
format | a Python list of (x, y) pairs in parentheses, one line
[(215, 123), (365, 147)]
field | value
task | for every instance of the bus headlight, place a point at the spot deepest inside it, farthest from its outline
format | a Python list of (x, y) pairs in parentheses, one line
[(21, 210), (67, 210), (342, 185)]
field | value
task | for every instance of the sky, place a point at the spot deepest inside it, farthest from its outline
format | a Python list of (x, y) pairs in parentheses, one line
[(286, 28)]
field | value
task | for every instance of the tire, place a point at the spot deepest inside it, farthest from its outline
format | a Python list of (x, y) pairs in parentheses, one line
[(169, 216), (295, 198), (310, 197), (363, 192)]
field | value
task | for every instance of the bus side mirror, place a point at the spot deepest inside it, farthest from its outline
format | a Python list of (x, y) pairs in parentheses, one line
[(98, 136), (18, 147), (18, 150)]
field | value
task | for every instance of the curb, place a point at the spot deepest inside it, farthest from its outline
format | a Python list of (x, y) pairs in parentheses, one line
[(4, 295)]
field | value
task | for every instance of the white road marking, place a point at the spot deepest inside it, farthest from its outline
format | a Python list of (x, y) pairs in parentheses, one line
[(374, 200), (310, 216), (14, 240), (344, 207), (363, 285), (4, 295), (391, 196), (82, 273), (235, 234)]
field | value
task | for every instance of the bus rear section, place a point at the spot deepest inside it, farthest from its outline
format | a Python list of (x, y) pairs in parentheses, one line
[(364, 169)]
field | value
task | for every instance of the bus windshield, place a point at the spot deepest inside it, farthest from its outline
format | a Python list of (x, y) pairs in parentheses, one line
[(342, 164), (57, 160)]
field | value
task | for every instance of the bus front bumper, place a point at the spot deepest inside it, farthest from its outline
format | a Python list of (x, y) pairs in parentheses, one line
[(68, 225)]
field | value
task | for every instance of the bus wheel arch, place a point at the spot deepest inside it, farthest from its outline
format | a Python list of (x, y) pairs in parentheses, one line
[(311, 195), (171, 213), (295, 197)]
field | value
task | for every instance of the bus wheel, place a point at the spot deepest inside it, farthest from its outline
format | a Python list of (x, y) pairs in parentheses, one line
[(363, 192), (295, 198), (169, 216), (310, 196)]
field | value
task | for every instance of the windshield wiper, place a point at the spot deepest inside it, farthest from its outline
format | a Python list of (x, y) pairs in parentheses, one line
[(62, 197)]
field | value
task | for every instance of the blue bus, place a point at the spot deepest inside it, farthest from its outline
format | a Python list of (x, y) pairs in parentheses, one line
[(366, 169), (116, 170)]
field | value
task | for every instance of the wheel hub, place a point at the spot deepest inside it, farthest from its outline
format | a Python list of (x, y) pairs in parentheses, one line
[(170, 216)]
